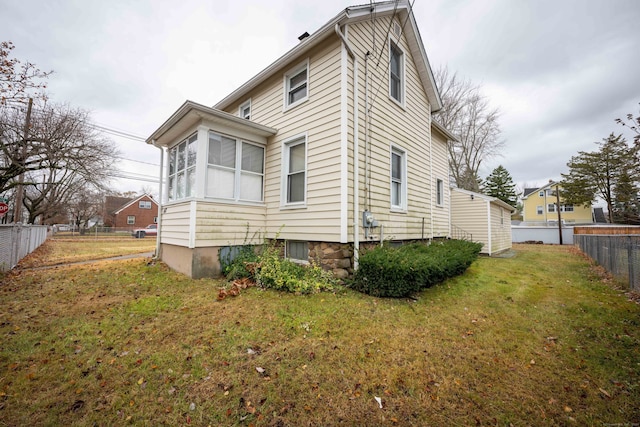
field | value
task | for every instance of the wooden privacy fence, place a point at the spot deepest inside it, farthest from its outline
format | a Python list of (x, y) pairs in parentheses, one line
[(17, 241)]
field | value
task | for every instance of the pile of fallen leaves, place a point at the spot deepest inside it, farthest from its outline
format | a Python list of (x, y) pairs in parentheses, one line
[(235, 288)]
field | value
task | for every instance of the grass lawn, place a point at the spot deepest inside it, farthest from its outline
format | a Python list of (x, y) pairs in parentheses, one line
[(68, 249), (542, 338)]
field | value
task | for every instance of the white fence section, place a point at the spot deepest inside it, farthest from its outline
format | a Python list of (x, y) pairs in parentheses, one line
[(17, 241), (549, 235)]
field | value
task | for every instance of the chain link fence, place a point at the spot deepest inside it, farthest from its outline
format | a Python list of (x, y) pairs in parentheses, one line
[(17, 241), (618, 254)]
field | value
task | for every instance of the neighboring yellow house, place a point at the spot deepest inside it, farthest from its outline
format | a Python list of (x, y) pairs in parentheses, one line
[(539, 206), (329, 147)]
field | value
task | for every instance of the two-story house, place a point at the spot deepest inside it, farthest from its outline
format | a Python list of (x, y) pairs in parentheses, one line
[(136, 213), (540, 206), (329, 148)]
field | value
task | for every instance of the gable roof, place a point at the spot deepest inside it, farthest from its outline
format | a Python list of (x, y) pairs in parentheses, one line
[(123, 207), (489, 199), (350, 15), (529, 191), (191, 112)]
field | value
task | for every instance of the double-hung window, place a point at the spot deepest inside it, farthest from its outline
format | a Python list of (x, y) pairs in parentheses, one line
[(396, 72), (551, 207), (182, 169), (539, 210), (131, 219), (245, 110), (398, 179), (295, 171), (235, 169), (144, 204), (296, 83)]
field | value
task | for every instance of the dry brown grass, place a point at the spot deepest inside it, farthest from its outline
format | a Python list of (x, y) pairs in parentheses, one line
[(537, 339)]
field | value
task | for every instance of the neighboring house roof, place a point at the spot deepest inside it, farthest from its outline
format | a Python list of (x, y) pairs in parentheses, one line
[(489, 199), (191, 112), (599, 216), (134, 201), (350, 15), (529, 191), (113, 203)]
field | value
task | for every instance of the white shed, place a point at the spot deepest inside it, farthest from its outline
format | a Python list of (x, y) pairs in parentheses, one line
[(481, 218)]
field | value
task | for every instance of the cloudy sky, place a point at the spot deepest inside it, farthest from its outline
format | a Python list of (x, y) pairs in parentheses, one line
[(560, 71)]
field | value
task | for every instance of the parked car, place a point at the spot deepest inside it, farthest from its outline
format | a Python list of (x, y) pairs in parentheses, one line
[(149, 230)]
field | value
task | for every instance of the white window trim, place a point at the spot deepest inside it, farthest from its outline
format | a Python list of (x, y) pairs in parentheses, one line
[(440, 181), (174, 197), (541, 194), (131, 222), (403, 188), (403, 77), (286, 79), (296, 260), (238, 171), (285, 171), (539, 210), (244, 105)]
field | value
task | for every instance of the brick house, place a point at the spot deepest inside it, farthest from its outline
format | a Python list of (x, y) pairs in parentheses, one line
[(136, 213)]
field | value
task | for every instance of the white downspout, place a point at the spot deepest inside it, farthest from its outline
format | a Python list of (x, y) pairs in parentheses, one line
[(489, 223), (160, 189), (356, 166)]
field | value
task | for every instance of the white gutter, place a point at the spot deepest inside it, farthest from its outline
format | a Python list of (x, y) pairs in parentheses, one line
[(356, 165)]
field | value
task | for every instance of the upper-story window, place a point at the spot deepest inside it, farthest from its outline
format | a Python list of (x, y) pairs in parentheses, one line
[(235, 169), (144, 204), (296, 83), (245, 110), (396, 72), (541, 194), (295, 171), (439, 192), (398, 179), (182, 169)]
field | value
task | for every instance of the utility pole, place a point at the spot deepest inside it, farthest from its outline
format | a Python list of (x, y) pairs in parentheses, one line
[(17, 213), (559, 216)]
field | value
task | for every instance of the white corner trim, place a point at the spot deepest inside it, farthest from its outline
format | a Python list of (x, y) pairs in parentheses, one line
[(193, 205)]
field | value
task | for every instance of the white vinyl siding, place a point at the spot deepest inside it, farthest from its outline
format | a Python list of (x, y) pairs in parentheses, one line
[(318, 219), (440, 169)]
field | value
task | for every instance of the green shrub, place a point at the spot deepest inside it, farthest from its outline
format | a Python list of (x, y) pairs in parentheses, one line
[(399, 272), (237, 268), (269, 270)]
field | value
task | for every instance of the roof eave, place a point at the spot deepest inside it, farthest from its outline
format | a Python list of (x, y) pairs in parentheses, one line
[(193, 112)]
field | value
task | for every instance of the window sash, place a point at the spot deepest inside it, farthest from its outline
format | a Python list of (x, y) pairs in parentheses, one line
[(131, 219), (295, 171), (298, 250), (235, 169), (182, 162), (439, 192), (395, 72), (297, 86), (398, 179)]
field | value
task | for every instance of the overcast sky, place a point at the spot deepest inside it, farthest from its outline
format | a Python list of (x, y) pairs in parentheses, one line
[(560, 71)]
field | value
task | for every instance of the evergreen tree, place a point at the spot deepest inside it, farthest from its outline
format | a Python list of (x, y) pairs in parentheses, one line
[(499, 184), (626, 205), (597, 174)]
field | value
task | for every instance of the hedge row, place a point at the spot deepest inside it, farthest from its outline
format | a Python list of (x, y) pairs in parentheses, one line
[(399, 272)]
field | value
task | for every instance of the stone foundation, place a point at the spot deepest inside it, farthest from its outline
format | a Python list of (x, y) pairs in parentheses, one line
[(334, 257)]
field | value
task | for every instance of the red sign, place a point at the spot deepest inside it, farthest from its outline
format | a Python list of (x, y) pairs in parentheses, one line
[(4, 208)]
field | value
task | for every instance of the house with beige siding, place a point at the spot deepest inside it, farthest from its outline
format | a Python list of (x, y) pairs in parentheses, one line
[(330, 148), (481, 218)]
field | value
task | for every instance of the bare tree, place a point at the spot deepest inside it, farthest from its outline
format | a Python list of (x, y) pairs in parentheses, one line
[(85, 204), (469, 117), (19, 81), (63, 153)]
